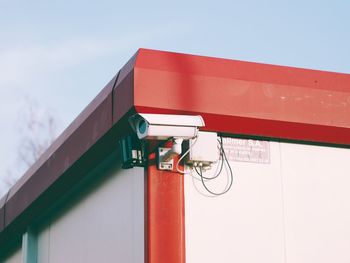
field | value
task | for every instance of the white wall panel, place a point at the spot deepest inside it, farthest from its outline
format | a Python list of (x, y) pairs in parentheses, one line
[(107, 225), (317, 200), (295, 209), (246, 224)]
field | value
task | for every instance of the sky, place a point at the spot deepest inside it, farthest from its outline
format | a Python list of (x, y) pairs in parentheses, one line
[(60, 54)]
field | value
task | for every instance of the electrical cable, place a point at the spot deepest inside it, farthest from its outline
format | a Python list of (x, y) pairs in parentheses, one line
[(207, 178), (224, 158), (199, 169), (222, 163), (178, 162), (183, 156), (219, 166)]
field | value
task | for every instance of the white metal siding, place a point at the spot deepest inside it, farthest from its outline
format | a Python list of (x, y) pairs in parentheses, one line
[(295, 209), (105, 226), (317, 200), (244, 225)]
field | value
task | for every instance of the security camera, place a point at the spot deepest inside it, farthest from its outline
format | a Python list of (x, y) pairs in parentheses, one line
[(165, 126)]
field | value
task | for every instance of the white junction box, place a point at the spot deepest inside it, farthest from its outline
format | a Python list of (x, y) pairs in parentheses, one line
[(203, 149)]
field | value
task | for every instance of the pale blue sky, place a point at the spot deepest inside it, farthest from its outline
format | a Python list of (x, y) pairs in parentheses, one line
[(61, 53)]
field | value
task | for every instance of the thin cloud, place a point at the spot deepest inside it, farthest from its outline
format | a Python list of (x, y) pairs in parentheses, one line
[(23, 63), (22, 68)]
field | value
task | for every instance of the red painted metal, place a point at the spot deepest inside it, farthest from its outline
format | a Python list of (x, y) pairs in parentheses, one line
[(246, 98), (233, 97), (165, 226)]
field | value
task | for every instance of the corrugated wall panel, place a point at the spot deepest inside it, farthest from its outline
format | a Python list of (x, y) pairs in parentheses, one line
[(244, 225), (294, 209), (316, 193), (105, 225)]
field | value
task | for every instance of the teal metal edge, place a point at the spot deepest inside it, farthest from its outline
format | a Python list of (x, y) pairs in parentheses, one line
[(29, 247)]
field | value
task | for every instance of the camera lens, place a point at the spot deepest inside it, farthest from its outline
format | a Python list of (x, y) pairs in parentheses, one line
[(142, 126)]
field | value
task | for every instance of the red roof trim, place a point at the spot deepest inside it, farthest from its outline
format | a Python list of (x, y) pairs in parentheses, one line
[(232, 96), (241, 70), (246, 98)]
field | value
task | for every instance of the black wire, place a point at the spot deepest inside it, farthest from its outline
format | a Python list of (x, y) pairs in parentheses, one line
[(231, 173)]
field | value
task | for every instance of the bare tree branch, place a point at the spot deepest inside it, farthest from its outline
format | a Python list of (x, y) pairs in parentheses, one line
[(37, 128)]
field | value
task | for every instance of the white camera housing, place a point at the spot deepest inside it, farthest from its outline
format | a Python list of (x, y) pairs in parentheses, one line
[(165, 126)]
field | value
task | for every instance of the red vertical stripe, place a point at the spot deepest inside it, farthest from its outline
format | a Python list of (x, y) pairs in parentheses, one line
[(165, 233)]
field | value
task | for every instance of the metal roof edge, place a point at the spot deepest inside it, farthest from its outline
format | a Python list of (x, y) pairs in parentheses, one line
[(91, 126), (244, 97), (179, 84)]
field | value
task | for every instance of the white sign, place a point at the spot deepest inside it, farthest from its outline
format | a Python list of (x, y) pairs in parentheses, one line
[(247, 150)]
